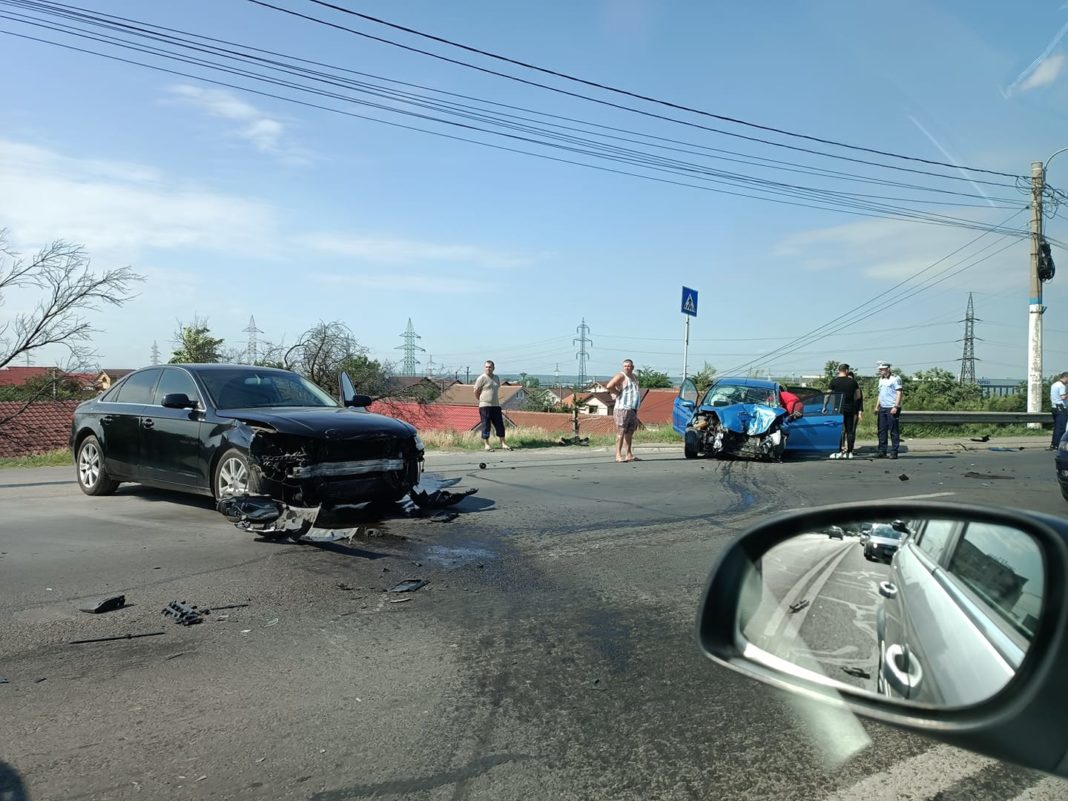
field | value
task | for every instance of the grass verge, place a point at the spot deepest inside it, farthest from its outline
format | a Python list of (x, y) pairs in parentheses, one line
[(60, 458)]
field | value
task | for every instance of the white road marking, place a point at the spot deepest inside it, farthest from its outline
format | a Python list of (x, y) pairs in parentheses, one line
[(918, 777), (921, 497)]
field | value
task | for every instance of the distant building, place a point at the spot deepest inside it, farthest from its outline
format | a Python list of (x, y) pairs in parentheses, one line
[(512, 397), (105, 378), (1001, 387)]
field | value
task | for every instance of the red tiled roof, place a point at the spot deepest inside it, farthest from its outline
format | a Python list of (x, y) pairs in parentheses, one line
[(657, 406), (41, 427), (464, 394), (17, 376), (429, 416), (555, 423)]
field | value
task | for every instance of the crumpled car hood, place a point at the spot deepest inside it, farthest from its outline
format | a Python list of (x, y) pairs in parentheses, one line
[(323, 423), (751, 419)]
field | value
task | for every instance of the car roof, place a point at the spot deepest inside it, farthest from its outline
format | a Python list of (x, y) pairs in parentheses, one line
[(209, 368), (744, 381)]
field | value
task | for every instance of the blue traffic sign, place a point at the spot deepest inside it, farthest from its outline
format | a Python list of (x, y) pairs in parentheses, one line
[(689, 301)]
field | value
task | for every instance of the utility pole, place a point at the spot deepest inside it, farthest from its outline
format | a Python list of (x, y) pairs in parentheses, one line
[(582, 341), (410, 349), (252, 348), (1034, 303)]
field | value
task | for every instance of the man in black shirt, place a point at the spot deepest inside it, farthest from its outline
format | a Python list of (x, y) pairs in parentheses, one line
[(849, 389)]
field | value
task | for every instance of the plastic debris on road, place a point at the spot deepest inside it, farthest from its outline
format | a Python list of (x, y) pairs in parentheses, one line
[(409, 585), (109, 604), (183, 613)]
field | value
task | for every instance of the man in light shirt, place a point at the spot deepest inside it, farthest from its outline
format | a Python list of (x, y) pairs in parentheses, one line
[(888, 409), (624, 386), (1058, 404), (488, 392)]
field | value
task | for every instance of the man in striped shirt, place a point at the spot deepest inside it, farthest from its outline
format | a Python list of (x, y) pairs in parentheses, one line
[(624, 386)]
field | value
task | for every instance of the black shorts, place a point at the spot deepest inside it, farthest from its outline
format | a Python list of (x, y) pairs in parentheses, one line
[(488, 415)]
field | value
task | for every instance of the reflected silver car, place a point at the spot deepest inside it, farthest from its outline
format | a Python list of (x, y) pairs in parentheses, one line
[(960, 607), (882, 543)]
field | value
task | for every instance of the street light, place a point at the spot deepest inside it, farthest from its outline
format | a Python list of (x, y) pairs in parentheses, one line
[(1035, 308)]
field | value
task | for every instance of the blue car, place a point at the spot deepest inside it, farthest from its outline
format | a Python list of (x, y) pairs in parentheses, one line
[(743, 417)]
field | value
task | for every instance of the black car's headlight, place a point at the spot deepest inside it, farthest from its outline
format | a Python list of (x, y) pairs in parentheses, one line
[(419, 446)]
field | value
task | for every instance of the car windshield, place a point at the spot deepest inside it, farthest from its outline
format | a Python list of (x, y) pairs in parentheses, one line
[(886, 532), (255, 389), (728, 394)]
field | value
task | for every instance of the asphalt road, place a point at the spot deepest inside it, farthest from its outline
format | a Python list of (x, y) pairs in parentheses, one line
[(551, 655)]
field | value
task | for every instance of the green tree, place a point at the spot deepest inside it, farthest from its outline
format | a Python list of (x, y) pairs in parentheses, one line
[(939, 390), (653, 379), (704, 377), (195, 344), (539, 400)]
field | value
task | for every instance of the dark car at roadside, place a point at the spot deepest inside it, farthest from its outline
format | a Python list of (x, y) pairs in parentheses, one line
[(222, 430), (1061, 459)]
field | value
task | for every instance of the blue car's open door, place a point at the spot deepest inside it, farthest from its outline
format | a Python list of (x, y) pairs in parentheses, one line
[(685, 403), (819, 430)]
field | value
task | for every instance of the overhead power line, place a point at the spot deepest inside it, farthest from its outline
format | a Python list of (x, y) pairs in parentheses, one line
[(635, 95), (775, 191), (632, 109)]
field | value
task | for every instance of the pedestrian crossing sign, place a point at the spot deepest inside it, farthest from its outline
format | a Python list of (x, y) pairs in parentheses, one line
[(689, 301)]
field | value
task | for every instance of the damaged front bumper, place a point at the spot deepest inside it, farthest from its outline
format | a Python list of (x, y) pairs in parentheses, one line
[(750, 431)]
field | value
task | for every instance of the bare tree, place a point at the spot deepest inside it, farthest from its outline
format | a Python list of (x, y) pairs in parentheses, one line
[(60, 274), (321, 351)]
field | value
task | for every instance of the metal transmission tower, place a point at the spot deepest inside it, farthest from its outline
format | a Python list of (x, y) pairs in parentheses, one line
[(556, 373), (582, 341), (410, 348), (155, 353), (967, 361), (253, 346)]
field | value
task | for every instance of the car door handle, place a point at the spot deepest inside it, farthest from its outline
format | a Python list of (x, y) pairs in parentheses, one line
[(148, 423), (107, 418), (900, 680), (887, 590)]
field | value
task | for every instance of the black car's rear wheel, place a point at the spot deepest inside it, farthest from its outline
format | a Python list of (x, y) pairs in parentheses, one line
[(92, 477), (233, 475)]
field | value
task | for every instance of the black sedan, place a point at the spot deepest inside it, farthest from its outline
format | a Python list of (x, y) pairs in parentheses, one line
[(223, 430), (1062, 466)]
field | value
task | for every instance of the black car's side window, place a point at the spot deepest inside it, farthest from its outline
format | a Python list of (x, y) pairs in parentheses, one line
[(173, 382), (138, 387), (936, 533), (1004, 570)]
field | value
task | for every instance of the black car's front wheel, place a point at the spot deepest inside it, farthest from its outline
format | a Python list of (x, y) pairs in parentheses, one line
[(92, 477), (233, 475)]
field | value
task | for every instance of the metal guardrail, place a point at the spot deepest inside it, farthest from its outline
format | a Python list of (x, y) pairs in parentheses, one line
[(964, 418)]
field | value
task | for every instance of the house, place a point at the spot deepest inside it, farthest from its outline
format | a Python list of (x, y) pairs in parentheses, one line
[(599, 403), (512, 397), (431, 416), (105, 378), (421, 387)]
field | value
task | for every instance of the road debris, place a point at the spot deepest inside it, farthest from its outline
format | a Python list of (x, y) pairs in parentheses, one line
[(4, 680), (902, 477), (984, 438), (798, 606), (400, 600), (439, 499), (860, 673), (481, 465), (183, 613), (986, 476), (444, 517), (118, 637), (574, 440), (409, 585), (38, 681), (597, 684), (344, 587), (109, 604), (272, 622)]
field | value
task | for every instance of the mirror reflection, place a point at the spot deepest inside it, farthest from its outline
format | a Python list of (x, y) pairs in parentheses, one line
[(938, 612)]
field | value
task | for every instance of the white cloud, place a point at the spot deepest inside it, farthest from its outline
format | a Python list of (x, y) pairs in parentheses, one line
[(118, 210), (1045, 73), (891, 251), (263, 132), (376, 250)]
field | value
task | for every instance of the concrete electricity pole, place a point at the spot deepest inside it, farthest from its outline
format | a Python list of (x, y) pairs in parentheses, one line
[(1041, 270), (1034, 307)]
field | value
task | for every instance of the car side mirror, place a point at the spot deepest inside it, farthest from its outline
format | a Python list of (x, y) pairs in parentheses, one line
[(957, 629), (179, 400), (360, 401)]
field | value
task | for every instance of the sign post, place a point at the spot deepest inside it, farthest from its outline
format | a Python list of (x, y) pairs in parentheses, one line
[(689, 309)]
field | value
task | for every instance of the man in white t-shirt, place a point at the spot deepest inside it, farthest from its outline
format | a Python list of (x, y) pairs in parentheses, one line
[(488, 392), (1058, 404)]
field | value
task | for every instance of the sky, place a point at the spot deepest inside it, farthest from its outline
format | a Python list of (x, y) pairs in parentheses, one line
[(232, 203)]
